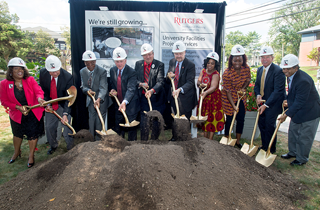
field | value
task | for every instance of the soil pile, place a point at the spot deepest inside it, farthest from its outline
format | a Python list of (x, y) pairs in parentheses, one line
[(116, 174)]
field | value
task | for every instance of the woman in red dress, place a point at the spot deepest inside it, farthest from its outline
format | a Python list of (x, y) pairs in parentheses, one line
[(211, 105)]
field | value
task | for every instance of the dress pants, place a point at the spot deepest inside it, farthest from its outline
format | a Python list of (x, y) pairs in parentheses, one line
[(51, 125), (301, 137), (239, 118), (94, 120), (132, 131), (267, 125)]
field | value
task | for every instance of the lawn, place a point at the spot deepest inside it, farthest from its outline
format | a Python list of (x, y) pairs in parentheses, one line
[(308, 174), (311, 70)]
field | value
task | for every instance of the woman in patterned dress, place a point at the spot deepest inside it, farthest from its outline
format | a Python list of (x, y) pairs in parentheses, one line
[(211, 105), (235, 78)]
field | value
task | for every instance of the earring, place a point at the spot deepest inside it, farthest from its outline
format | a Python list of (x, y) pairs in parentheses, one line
[(10, 75)]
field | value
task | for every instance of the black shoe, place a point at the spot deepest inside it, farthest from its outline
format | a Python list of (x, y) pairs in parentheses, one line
[(296, 163), (287, 156), (172, 139), (11, 161), (51, 150), (239, 145), (31, 164)]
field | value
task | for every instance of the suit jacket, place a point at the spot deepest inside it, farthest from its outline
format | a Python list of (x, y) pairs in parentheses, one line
[(32, 92), (156, 82), (65, 81), (99, 85), (187, 74), (128, 87), (274, 88), (303, 99)]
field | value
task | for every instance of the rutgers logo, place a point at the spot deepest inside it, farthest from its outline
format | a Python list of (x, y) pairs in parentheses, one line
[(89, 55), (52, 65), (118, 55), (264, 51), (238, 49), (144, 49), (285, 62), (177, 47), (20, 62), (212, 56)]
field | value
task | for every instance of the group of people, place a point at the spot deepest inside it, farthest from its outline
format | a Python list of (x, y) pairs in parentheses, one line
[(133, 88)]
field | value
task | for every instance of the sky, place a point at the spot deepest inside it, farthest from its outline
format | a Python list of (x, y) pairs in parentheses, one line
[(54, 14)]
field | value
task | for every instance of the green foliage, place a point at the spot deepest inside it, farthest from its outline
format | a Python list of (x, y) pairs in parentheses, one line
[(284, 30), (5, 16), (251, 99), (34, 68), (315, 55)]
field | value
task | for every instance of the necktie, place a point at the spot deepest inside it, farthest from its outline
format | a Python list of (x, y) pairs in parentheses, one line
[(146, 74), (53, 93), (262, 82), (176, 79), (288, 82), (119, 90), (90, 79)]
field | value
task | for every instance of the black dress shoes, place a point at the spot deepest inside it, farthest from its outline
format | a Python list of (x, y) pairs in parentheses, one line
[(287, 156), (296, 163), (239, 145), (51, 150), (172, 139)]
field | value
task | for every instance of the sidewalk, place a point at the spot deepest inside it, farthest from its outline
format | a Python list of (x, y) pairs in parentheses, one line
[(285, 126)]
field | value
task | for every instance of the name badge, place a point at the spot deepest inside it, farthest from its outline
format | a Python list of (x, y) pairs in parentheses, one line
[(10, 85)]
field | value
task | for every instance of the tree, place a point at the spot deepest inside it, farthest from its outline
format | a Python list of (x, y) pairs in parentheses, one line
[(284, 29), (5, 16), (315, 55), (66, 54)]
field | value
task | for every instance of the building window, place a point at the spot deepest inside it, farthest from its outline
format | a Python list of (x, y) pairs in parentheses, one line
[(62, 46), (57, 45), (318, 36)]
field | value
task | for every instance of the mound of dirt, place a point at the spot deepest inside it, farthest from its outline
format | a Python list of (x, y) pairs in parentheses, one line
[(114, 174)]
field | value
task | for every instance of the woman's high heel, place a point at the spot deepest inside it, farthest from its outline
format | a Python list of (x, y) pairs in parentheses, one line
[(31, 164), (12, 160)]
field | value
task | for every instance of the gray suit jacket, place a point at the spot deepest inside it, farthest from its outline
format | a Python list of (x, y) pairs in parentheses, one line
[(99, 85)]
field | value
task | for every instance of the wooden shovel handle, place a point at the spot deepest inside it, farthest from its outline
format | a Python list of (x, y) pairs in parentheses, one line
[(255, 125), (122, 111), (98, 111), (67, 124), (201, 99), (175, 97), (149, 102), (235, 113)]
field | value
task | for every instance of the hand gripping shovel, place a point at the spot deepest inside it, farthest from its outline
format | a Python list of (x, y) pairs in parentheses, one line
[(103, 132), (228, 140), (72, 91), (265, 157), (199, 118), (247, 149), (176, 102), (149, 102), (67, 124), (127, 124)]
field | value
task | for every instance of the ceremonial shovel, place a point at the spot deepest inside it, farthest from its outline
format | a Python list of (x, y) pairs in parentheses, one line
[(149, 102), (127, 124), (176, 102), (228, 140), (265, 157), (72, 91), (247, 149), (103, 132), (199, 118), (66, 123)]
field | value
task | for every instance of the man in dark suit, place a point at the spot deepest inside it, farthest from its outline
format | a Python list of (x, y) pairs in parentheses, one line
[(150, 74), (94, 80), (269, 86), (183, 72), (304, 109), (123, 81), (55, 81)]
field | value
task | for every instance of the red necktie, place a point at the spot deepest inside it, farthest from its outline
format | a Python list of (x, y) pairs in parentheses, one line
[(119, 90), (176, 79), (53, 93), (146, 73)]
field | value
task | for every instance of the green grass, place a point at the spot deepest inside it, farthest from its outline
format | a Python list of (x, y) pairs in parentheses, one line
[(311, 70)]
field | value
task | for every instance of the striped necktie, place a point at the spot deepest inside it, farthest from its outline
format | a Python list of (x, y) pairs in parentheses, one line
[(262, 82), (176, 79)]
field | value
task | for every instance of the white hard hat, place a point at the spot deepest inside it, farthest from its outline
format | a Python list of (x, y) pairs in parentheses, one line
[(237, 50), (213, 55), (289, 61), (53, 63), (146, 48), (178, 46), (17, 62), (119, 54), (266, 51), (88, 56)]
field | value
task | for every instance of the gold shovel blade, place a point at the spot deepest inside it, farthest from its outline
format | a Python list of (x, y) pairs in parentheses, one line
[(224, 140), (249, 151), (104, 133), (132, 124), (265, 159), (72, 91), (179, 117), (193, 118), (227, 141)]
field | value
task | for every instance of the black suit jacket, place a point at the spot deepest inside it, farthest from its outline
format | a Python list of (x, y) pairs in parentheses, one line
[(303, 99), (274, 88), (65, 81), (156, 81), (186, 81), (128, 87)]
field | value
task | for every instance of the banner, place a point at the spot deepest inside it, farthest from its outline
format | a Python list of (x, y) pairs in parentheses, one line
[(106, 30)]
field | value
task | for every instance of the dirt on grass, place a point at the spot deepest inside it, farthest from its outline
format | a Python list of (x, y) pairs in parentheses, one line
[(116, 174)]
